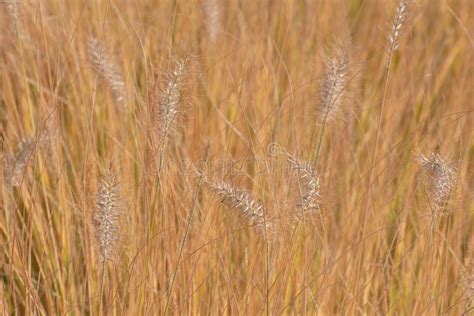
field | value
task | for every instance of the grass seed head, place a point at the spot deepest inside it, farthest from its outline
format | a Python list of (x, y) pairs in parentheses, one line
[(401, 15), (15, 164), (212, 12), (106, 217), (442, 177), (241, 200), (308, 178), (103, 64), (334, 83), (169, 103)]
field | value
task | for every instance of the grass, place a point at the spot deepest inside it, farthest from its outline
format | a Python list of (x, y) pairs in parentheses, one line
[(371, 214)]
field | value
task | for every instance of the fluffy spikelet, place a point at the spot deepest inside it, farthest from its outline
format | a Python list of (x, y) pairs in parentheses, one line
[(334, 82), (15, 164), (469, 292), (46, 135), (169, 103), (310, 195), (106, 217), (397, 26), (242, 201), (467, 281), (13, 10), (212, 12), (103, 64), (468, 285), (442, 176)]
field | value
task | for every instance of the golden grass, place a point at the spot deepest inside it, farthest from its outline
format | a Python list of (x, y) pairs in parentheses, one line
[(251, 98)]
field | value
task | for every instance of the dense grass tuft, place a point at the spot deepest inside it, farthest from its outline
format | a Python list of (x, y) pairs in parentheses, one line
[(353, 222)]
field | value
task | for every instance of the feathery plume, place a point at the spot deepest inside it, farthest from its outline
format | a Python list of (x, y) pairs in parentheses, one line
[(169, 103), (468, 286), (310, 194), (467, 278), (15, 164), (442, 176), (212, 12), (242, 201), (13, 9), (46, 135), (103, 64), (107, 215), (400, 19), (334, 82)]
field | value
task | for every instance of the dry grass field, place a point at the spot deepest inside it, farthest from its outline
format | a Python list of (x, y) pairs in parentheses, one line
[(244, 157)]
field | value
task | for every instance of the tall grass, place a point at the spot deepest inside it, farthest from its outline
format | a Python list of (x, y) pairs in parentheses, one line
[(379, 180)]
